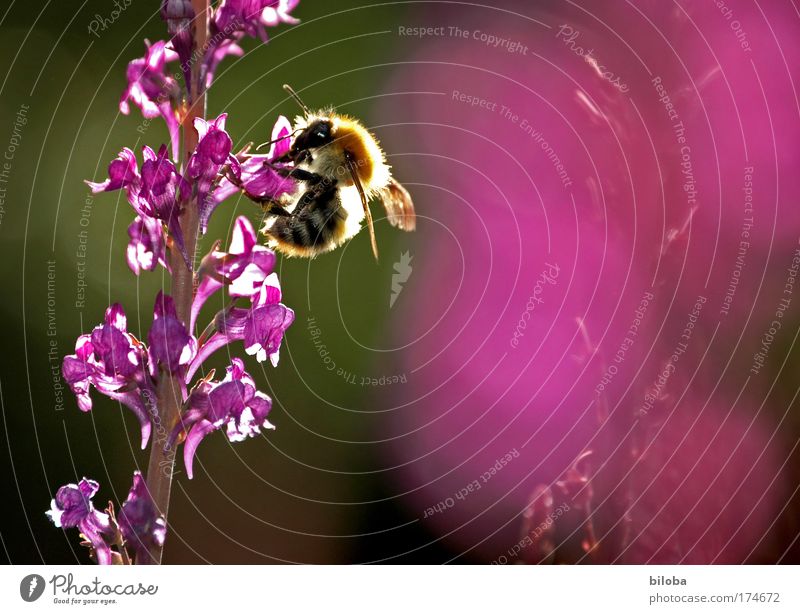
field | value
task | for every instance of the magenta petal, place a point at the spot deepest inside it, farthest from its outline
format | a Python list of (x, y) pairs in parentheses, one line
[(281, 138), (140, 522), (115, 364), (245, 267), (234, 403), (122, 172), (205, 289), (216, 54), (229, 398), (248, 283), (243, 237), (146, 429), (171, 346), (72, 507), (263, 182), (114, 346), (185, 422), (88, 488), (84, 347), (252, 419), (162, 191), (263, 331), (211, 153), (193, 439), (76, 370), (173, 127), (149, 85), (133, 401), (256, 176), (146, 249), (101, 549), (115, 316), (215, 342), (207, 207)]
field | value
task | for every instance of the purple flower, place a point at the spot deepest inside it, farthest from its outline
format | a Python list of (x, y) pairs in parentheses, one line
[(73, 508), (261, 327), (171, 346), (256, 175), (140, 522), (162, 190), (152, 90), (179, 16), (123, 173), (243, 268), (155, 193), (212, 152), (114, 362), (251, 16), (218, 52), (233, 403), (277, 12), (234, 19), (146, 249)]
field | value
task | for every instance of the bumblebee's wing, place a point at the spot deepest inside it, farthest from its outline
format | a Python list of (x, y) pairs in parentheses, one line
[(354, 174), (399, 207)]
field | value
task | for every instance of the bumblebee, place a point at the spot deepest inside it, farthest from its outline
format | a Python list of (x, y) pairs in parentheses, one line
[(339, 167)]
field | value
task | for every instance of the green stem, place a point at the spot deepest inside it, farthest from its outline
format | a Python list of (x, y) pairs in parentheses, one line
[(169, 401)]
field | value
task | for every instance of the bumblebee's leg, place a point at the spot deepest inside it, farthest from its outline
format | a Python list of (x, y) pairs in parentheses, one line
[(317, 187), (300, 174), (270, 207), (313, 221)]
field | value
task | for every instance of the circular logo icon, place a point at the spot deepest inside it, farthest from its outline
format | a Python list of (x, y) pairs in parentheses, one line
[(31, 587)]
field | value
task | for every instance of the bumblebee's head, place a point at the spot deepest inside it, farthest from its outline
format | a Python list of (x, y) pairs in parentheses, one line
[(328, 137), (330, 140), (318, 133)]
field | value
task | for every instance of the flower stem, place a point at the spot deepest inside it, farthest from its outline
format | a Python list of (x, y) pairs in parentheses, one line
[(170, 390)]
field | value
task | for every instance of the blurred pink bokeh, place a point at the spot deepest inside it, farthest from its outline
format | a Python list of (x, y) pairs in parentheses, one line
[(698, 476)]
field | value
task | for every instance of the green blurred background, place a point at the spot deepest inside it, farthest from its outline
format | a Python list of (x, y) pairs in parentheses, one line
[(284, 497)]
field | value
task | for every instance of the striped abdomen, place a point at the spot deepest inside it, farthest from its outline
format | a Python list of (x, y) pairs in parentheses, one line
[(317, 227)]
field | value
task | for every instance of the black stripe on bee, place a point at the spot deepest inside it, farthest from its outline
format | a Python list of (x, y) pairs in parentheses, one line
[(314, 225)]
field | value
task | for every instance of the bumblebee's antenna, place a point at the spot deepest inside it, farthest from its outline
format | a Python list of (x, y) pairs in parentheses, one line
[(294, 95), (288, 136)]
